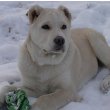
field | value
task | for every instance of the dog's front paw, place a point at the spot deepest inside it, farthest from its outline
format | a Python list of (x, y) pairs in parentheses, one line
[(3, 91), (105, 85), (2, 96)]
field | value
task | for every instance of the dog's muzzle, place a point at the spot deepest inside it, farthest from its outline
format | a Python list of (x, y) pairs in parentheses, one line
[(58, 47)]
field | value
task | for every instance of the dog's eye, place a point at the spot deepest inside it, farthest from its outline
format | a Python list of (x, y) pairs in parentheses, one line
[(63, 26), (46, 27)]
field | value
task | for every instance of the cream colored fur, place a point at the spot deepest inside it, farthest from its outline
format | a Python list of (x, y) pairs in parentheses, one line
[(57, 78)]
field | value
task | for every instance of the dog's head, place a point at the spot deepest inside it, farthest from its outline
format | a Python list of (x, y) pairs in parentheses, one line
[(50, 29)]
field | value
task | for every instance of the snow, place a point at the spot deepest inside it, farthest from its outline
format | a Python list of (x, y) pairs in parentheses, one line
[(14, 29)]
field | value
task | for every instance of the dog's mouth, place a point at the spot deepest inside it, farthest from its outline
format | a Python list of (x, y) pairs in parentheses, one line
[(53, 52)]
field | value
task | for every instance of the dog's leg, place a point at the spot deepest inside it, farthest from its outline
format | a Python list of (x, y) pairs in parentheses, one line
[(100, 47), (55, 100), (102, 51), (8, 88), (3, 91)]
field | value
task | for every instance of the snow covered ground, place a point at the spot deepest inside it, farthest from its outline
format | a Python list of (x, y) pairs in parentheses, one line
[(14, 29)]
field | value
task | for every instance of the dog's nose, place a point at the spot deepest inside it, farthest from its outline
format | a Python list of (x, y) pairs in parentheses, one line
[(59, 40)]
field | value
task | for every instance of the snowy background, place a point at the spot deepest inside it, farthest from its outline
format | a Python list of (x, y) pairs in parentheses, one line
[(14, 29)]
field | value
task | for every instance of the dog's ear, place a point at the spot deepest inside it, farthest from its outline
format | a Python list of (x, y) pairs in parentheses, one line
[(33, 13), (66, 12)]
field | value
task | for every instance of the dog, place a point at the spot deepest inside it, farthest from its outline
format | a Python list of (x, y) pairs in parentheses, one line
[(56, 61)]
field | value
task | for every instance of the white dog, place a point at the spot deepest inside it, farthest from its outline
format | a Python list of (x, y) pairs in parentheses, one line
[(56, 61)]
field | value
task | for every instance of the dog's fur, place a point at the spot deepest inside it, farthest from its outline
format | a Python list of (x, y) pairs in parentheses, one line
[(57, 77)]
